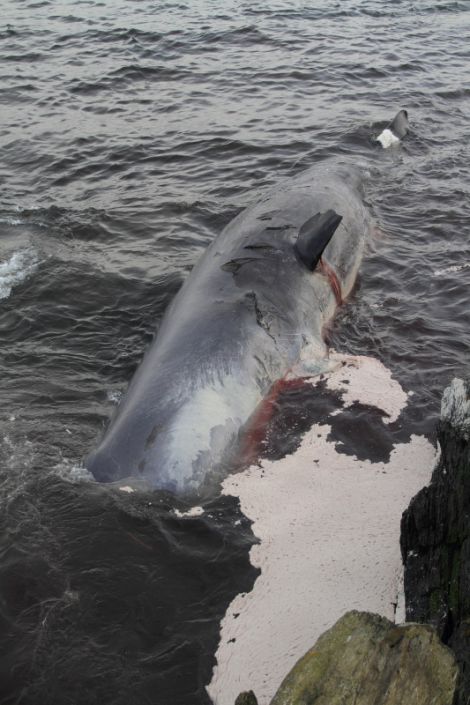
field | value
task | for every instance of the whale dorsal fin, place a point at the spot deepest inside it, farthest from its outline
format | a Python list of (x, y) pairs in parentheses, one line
[(314, 236)]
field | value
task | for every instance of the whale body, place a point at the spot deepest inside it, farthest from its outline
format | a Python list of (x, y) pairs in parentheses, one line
[(251, 312)]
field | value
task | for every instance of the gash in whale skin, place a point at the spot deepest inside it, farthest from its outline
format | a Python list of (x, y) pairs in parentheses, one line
[(250, 313)]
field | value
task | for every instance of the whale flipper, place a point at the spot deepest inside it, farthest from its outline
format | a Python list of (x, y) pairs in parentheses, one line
[(314, 236), (397, 129), (400, 125)]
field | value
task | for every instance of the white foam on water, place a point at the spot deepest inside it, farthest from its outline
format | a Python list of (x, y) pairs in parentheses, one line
[(73, 472), (16, 269), (17, 455), (27, 207), (8, 220), (114, 395), (365, 380), (451, 269), (24, 218), (193, 512), (329, 528)]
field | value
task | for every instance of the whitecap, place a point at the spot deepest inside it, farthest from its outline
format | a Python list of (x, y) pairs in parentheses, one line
[(452, 268), (72, 472), (193, 512), (114, 395), (8, 220), (16, 269)]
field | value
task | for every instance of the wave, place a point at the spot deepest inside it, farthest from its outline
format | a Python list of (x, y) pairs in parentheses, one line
[(16, 269)]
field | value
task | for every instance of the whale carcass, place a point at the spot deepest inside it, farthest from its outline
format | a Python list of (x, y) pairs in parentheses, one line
[(250, 314)]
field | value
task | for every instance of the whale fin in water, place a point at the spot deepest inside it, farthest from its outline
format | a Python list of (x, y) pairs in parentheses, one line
[(314, 236), (400, 125), (397, 129)]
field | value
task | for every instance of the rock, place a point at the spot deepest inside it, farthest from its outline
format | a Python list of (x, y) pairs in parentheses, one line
[(435, 537), (247, 698), (366, 660)]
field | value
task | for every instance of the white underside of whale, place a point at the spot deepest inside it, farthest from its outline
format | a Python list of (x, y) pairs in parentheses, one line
[(202, 425)]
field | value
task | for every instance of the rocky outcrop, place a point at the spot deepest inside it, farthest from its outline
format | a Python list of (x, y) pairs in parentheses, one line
[(435, 537), (247, 698), (365, 659)]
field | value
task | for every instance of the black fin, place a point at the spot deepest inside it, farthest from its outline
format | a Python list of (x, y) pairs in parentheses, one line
[(400, 125), (314, 236)]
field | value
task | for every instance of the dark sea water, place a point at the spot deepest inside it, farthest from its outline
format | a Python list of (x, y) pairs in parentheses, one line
[(131, 133)]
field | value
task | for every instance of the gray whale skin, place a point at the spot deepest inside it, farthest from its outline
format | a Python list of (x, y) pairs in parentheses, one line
[(251, 311)]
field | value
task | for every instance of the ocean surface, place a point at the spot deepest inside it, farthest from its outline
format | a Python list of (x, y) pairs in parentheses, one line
[(131, 133)]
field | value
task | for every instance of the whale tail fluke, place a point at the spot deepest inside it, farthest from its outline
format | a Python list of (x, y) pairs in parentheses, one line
[(395, 132)]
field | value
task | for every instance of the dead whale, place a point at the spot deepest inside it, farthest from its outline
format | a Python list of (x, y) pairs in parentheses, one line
[(250, 314)]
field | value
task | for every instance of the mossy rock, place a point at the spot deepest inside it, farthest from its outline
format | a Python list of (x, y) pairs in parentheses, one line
[(246, 698), (366, 660)]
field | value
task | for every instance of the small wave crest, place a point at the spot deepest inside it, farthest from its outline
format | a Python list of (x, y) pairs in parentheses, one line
[(451, 269), (114, 395), (72, 472), (16, 269)]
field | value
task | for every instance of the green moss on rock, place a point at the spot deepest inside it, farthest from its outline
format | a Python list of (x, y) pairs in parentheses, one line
[(247, 698), (365, 659)]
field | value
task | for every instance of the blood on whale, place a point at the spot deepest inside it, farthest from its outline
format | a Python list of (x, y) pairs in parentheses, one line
[(333, 279), (255, 433)]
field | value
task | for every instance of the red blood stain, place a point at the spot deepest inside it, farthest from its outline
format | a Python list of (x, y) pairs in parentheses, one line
[(257, 426), (333, 279)]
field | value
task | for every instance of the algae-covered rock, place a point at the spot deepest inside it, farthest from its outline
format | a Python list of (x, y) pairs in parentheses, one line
[(247, 698), (435, 537), (366, 660)]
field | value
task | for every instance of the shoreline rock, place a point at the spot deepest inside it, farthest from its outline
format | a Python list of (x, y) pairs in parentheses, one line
[(435, 537), (365, 658)]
